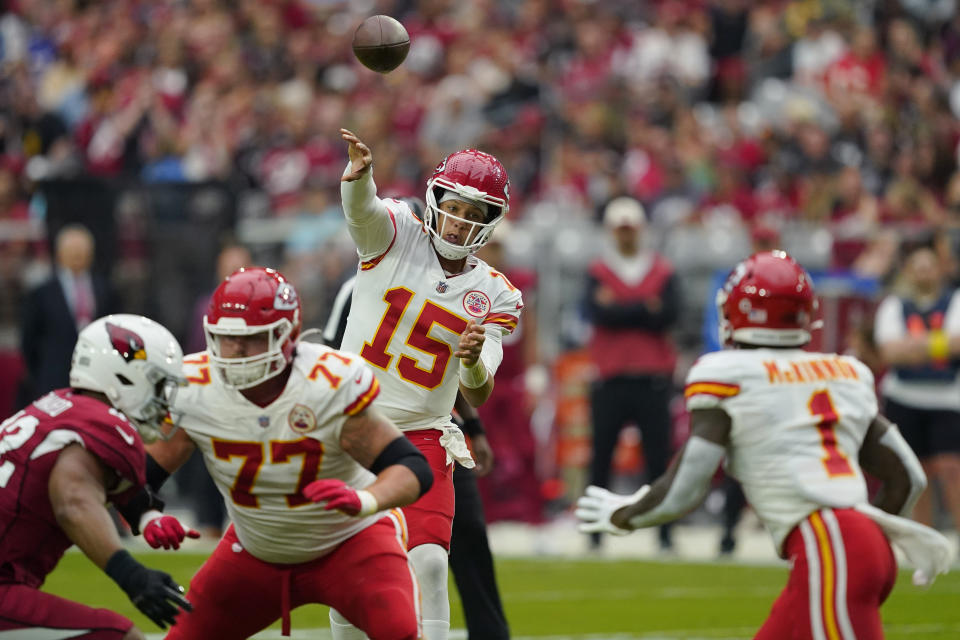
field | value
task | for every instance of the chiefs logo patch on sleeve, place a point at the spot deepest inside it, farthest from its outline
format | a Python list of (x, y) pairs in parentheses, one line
[(476, 303)]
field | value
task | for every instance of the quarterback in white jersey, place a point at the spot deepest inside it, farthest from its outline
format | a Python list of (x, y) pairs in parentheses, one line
[(795, 427), (429, 316), (308, 469)]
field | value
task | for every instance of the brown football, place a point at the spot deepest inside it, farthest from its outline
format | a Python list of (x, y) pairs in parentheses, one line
[(381, 43)]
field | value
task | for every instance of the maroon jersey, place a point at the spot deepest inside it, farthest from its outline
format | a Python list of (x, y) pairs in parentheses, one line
[(31, 541)]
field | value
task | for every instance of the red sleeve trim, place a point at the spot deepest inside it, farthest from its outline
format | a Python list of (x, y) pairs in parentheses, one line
[(364, 400), (504, 320), (718, 389)]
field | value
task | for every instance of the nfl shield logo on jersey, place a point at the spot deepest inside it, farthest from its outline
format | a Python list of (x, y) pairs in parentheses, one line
[(476, 303), (263, 421), (301, 419), (442, 287)]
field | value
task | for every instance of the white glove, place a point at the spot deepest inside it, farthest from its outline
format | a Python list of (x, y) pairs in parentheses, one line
[(596, 506)]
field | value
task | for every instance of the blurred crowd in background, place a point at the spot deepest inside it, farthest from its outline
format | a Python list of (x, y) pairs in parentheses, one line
[(173, 128)]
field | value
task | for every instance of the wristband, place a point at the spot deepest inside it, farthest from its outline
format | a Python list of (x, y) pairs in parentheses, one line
[(147, 517), (473, 427), (473, 377), (368, 504), (939, 345), (121, 567), (144, 500)]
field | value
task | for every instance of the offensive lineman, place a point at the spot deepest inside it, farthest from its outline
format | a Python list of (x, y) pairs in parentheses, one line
[(429, 317), (271, 415), (796, 428), (62, 458)]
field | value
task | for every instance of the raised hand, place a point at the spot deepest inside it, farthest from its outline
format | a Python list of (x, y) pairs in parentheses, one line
[(166, 531), (471, 343), (361, 158), (341, 496), (595, 508)]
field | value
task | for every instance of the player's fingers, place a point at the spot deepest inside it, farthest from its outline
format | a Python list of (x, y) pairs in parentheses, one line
[(589, 527), (586, 513), (344, 504), (192, 533), (597, 492), (176, 596), (318, 495)]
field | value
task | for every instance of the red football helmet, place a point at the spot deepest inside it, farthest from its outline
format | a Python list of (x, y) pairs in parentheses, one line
[(473, 175), (767, 300), (250, 301)]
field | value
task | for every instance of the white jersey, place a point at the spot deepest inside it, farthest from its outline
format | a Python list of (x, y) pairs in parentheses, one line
[(261, 458), (407, 316), (798, 422)]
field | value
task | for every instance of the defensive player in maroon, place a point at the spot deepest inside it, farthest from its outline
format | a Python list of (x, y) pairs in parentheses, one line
[(62, 459)]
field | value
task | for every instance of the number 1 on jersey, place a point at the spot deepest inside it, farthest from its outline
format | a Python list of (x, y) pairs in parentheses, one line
[(834, 462), (375, 351)]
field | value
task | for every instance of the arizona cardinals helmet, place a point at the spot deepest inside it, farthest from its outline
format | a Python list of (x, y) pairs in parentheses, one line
[(136, 363), (472, 175), (251, 301), (767, 300)]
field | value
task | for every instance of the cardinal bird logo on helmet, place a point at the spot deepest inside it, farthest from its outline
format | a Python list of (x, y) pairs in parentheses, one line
[(127, 343)]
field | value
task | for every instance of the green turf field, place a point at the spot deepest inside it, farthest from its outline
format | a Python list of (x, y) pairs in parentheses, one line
[(592, 598)]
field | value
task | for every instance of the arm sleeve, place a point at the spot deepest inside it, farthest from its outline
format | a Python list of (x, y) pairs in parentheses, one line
[(492, 352), (698, 463), (951, 323), (893, 441), (369, 221)]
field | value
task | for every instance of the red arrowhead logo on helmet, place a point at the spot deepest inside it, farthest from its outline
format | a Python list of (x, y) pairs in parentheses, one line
[(127, 343)]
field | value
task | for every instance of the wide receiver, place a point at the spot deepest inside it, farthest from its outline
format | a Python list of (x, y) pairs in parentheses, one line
[(796, 427), (284, 425), (429, 317), (62, 459)]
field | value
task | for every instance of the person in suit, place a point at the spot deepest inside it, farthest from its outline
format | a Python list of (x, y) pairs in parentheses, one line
[(55, 311)]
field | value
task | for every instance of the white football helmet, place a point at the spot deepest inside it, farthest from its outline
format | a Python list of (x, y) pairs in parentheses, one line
[(137, 364)]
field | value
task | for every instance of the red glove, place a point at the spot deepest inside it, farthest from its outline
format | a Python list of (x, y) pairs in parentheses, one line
[(165, 531), (341, 496)]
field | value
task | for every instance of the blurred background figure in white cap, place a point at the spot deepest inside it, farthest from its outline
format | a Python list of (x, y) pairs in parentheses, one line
[(632, 301)]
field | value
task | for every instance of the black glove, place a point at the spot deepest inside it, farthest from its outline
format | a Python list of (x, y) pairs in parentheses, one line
[(154, 592)]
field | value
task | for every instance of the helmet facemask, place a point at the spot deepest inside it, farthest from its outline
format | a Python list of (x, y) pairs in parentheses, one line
[(154, 416), (249, 371), (479, 232)]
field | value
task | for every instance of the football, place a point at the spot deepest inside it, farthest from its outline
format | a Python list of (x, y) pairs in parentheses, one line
[(381, 43)]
